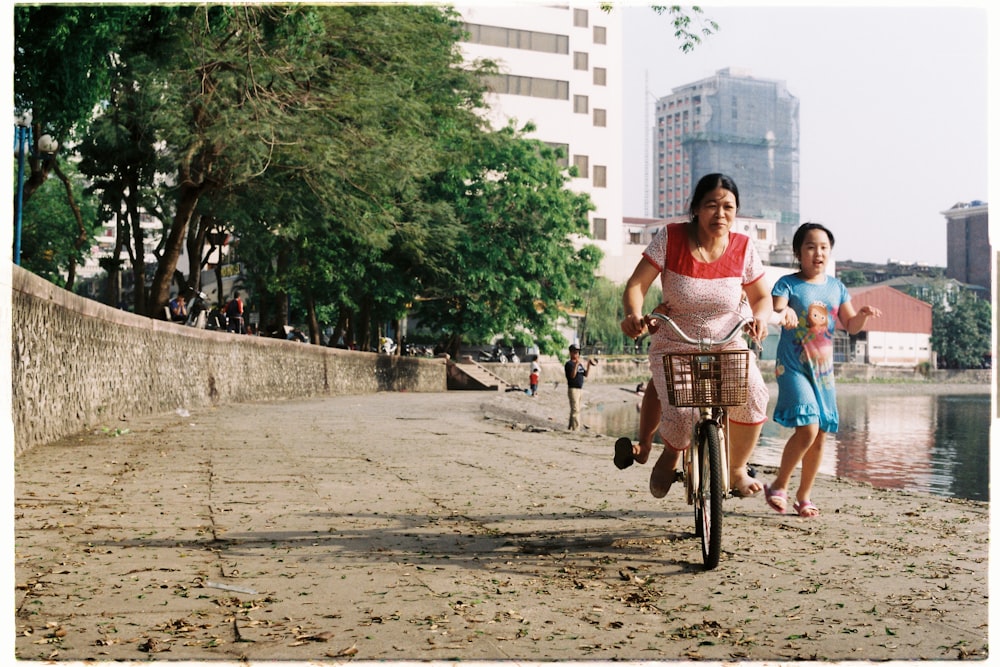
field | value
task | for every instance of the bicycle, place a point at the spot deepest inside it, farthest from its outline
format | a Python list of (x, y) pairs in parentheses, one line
[(710, 380)]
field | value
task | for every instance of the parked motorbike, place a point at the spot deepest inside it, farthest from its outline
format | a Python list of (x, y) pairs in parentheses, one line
[(217, 320), (413, 350), (197, 311), (499, 354)]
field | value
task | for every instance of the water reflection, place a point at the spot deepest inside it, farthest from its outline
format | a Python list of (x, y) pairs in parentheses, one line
[(916, 442)]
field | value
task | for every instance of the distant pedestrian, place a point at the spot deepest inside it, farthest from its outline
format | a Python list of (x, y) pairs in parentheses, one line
[(808, 303), (178, 309), (576, 372), (234, 314), (533, 379)]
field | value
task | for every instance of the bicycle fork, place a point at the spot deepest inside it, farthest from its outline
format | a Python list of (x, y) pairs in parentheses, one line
[(690, 472)]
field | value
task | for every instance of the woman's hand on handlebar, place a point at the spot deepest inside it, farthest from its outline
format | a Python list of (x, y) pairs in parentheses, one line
[(633, 325), (756, 329)]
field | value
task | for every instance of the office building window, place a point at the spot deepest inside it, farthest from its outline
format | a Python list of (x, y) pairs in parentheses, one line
[(582, 164), (634, 238), (580, 18), (528, 40), (600, 176), (581, 61), (600, 34), (563, 152), (508, 84), (601, 229), (600, 117), (581, 104), (600, 76)]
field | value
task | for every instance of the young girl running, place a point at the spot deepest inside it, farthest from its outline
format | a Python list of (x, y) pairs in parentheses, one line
[(808, 304)]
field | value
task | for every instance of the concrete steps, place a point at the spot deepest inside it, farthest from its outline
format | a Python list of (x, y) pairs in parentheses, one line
[(470, 374)]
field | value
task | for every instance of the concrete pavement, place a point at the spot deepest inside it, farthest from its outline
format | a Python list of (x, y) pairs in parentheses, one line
[(409, 527)]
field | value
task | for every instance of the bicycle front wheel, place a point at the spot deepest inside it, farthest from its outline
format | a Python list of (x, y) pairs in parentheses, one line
[(708, 501)]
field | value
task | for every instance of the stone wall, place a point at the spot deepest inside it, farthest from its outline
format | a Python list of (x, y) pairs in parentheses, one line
[(77, 364)]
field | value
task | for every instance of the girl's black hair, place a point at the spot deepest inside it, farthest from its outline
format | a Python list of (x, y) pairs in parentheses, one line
[(805, 228), (708, 183)]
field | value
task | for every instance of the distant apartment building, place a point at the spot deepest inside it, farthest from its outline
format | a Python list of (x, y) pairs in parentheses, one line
[(561, 69), (639, 232), (737, 124), (970, 257)]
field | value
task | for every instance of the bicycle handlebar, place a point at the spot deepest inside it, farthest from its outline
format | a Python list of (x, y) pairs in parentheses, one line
[(707, 342)]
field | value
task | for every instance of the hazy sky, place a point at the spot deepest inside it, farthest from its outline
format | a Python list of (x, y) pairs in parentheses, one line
[(892, 111)]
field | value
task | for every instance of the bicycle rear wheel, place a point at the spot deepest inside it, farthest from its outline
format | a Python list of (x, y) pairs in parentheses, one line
[(708, 501)]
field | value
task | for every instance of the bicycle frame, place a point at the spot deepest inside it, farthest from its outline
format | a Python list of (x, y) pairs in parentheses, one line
[(709, 381)]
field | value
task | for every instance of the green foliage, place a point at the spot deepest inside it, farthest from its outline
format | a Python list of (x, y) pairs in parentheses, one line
[(513, 267), (343, 208), (685, 31), (852, 278), (961, 331), (49, 228), (604, 312), (62, 59), (342, 146)]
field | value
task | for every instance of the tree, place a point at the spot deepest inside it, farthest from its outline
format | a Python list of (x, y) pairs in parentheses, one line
[(61, 68), (603, 314), (62, 63), (351, 223), (514, 267), (961, 331), (120, 157), (853, 278), (54, 235)]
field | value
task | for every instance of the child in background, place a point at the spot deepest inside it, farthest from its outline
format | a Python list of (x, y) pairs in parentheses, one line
[(808, 305), (533, 379)]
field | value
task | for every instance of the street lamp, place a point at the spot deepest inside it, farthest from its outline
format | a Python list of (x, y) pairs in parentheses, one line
[(22, 142), (22, 139)]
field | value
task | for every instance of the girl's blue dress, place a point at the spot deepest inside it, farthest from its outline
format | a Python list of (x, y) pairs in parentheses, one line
[(804, 365)]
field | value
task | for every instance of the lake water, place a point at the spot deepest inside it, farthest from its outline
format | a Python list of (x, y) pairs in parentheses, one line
[(933, 443)]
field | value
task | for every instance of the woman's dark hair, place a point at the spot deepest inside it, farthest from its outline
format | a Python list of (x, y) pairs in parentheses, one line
[(708, 183), (805, 228)]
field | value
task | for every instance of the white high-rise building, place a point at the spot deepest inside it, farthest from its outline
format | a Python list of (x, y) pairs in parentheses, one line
[(561, 69)]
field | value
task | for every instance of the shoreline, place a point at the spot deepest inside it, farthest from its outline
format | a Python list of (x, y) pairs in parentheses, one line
[(549, 409), (549, 412)]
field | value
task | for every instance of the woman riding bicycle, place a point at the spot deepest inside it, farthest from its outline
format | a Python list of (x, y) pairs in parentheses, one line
[(705, 269)]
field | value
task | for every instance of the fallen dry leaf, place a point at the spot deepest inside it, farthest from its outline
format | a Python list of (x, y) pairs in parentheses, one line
[(344, 653)]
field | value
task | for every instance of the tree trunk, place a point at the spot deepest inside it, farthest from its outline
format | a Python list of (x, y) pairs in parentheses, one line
[(137, 251), (398, 325), (159, 291), (341, 331), (81, 235), (220, 297), (453, 346), (114, 268), (195, 246), (364, 326), (314, 333), (279, 313)]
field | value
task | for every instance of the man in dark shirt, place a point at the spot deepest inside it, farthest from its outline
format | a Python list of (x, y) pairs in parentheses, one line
[(576, 371)]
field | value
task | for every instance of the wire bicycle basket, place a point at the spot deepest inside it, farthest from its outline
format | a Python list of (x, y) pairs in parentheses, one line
[(702, 379)]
